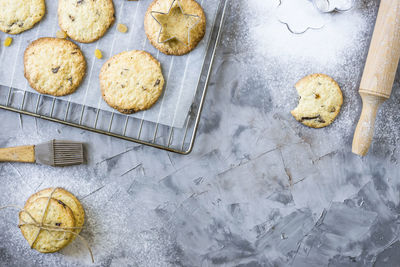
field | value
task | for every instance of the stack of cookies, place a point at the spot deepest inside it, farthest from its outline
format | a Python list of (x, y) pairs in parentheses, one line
[(58, 212)]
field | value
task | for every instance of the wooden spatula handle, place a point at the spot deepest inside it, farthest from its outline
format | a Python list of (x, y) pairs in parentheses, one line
[(379, 73), (18, 154)]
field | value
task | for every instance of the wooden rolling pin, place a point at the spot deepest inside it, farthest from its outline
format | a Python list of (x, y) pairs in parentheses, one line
[(379, 73)]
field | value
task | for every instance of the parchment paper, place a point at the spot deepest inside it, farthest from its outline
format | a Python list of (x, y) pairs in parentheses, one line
[(181, 72)]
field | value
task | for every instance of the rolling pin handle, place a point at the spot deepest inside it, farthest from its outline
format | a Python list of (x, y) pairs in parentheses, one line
[(379, 72), (365, 128)]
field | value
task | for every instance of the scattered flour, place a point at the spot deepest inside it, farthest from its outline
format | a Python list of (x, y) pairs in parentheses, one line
[(329, 45), (271, 56)]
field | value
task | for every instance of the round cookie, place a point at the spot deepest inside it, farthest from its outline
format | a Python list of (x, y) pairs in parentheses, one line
[(131, 81), (173, 24), (17, 16), (54, 66), (85, 21), (66, 197), (58, 215), (320, 100)]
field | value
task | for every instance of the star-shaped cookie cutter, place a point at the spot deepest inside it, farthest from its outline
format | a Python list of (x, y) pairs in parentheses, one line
[(167, 13)]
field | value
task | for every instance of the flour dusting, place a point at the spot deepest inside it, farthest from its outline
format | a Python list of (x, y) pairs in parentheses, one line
[(337, 40), (279, 58)]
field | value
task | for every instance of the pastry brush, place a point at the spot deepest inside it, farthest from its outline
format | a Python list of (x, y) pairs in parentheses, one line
[(54, 153)]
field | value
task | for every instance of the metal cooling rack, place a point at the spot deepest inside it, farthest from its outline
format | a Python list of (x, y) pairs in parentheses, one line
[(173, 139)]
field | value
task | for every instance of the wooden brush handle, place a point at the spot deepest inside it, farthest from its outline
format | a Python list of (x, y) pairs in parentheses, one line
[(379, 73), (18, 154)]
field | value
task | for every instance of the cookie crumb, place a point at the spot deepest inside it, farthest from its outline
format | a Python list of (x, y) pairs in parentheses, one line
[(61, 34), (122, 28), (98, 54), (8, 41)]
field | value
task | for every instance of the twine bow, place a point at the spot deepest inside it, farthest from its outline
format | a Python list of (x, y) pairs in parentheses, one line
[(47, 227)]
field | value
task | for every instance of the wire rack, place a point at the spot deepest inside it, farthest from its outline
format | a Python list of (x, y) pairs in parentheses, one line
[(173, 139)]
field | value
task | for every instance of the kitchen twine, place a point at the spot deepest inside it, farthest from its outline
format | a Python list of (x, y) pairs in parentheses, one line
[(47, 227)]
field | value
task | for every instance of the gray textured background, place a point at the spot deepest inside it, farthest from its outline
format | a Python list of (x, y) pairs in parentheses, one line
[(258, 190)]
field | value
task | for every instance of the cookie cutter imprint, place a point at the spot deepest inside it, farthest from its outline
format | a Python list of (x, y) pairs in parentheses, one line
[(323, 7), (167, 13)]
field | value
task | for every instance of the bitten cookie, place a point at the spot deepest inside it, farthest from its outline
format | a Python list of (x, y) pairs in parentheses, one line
[(54, 66), (17, 16), (66, 197), (85, 21), (320, 100), (172, 31), (131, 81), (58, 215)]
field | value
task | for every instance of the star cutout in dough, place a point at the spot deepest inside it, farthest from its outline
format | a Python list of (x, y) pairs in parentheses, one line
[(175, 24)]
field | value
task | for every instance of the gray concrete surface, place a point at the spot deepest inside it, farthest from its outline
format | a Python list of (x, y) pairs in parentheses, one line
[(259, 189)]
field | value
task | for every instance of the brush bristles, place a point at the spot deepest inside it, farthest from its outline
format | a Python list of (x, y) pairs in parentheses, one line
[(67, 153)]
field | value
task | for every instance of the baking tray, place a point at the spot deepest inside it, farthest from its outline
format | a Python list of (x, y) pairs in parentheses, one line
[(154, 134)]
